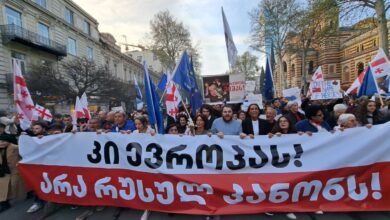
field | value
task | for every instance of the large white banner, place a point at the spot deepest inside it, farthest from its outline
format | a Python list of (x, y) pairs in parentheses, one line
[(327, 171)]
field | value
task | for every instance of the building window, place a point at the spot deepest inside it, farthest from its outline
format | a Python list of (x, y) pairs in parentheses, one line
[(125, 73), (90, 53), (13, 17), (107, 64), (357, 49), (345, 76), (284, 66), (87, 28), (332, 69), (293, 70), (21, 58), (311, 67), (374, 42), (116, 70), (69, 16), (41, 3), (72, 46), (360, 67), (43, 32), (361, 47)]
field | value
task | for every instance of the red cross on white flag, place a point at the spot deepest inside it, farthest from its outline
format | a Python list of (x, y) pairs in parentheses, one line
[(23, 102), (380, 64), (172, 99), (43, 113)]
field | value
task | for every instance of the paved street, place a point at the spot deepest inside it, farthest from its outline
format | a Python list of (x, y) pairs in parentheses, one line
[(63, 212)]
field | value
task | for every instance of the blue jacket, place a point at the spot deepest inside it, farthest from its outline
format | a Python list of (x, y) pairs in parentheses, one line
[(305, 125), (128, 126)]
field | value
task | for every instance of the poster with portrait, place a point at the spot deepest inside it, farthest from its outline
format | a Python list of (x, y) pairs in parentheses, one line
[(224, 88)]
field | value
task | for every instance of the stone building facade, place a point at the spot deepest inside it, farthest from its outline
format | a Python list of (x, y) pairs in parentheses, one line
[(55, 31), (342, 54)]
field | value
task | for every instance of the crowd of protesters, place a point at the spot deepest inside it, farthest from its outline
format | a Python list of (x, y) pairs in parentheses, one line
[(277, 117)]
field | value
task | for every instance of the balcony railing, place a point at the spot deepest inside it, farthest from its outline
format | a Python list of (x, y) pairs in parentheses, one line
[(11, 32)]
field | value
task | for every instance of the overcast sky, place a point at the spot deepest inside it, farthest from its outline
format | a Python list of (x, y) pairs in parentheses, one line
[(202, 17)]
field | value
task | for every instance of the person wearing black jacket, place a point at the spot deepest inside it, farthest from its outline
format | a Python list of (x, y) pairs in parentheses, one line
[(255, 126), (293, 115)]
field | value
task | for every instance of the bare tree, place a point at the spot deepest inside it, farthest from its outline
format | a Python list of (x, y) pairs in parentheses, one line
[(271, 22), (312, 27), (355, 8), (169, 39), (75, 78)]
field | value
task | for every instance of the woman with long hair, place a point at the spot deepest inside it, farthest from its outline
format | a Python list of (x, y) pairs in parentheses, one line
[(368, 113), (283, 126), (200, 125), (141, 123)]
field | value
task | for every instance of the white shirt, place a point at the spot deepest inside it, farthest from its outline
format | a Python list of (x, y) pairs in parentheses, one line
[(255, 126)]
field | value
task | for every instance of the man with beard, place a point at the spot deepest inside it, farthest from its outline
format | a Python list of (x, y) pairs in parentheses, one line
[(226, 124)]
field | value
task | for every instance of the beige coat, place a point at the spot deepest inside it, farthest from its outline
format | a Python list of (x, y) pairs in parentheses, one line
[(12, 185)]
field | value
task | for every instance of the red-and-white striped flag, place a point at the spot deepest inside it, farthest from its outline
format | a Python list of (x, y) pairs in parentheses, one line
[(318, 75), (23, 102), (354, 88), (78, 109), (84, 105)]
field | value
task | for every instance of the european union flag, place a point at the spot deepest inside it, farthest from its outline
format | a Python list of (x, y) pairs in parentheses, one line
[(268, 89), (163, 82), (369, 86), (153, 103), (196, 99), (182, 75)]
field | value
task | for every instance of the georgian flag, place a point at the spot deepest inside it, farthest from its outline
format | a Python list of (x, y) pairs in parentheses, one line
[(43, 113), (23, 102), (172, 100), (84, 106), (380, 64)]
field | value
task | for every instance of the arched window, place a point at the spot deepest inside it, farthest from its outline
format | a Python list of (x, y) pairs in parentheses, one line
[(311, 66), (345, 76), (293, 70), (285, 66), (360, 67)]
